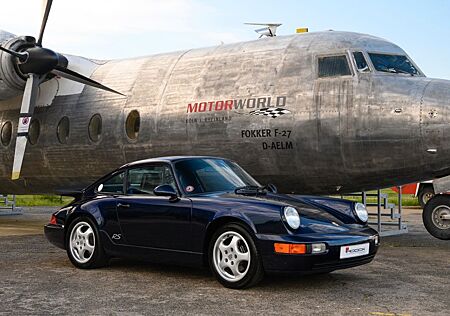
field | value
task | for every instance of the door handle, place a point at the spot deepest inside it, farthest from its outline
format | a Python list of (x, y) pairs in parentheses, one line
[(123, 205)]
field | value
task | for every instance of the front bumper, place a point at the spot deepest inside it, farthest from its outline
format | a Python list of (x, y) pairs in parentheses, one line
[(55, 235), (316, 263)]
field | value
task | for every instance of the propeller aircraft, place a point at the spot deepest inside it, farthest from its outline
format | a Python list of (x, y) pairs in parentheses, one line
[(321, 112)]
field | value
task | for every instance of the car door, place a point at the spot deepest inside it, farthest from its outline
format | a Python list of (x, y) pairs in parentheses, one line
[(153, 221)]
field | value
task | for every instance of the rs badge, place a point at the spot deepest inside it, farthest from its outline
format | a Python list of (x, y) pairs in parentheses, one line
[(116, 236)]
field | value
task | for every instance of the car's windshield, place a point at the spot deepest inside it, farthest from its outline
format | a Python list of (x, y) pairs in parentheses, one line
[(205, 175), (393, 64)]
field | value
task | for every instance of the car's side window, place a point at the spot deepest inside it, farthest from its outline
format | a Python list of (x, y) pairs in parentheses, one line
[(334, 66), (113, 185), (144, 180)]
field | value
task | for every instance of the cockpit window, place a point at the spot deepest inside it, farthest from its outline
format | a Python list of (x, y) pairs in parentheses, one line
[(398, 64), (334, 66), (361, 63)]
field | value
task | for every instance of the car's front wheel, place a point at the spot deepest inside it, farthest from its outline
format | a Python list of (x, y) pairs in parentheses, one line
[(83, 244), (234, 258)]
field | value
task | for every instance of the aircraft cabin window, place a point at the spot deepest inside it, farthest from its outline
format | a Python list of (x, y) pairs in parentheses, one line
[(133, 124), (63, 130), (361, 63), (34, 132), (113, 185), (95, 128), (398, 64), (334, 66), (6, 133), (144, 180)]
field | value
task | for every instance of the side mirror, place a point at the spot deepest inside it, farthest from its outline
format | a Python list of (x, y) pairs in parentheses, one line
[(165, 190)]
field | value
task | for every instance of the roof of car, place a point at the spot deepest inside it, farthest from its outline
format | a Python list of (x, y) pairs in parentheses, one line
[(167, 159)]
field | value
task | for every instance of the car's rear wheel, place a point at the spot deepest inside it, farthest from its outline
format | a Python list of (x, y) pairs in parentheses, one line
[(83, 244), (234, 258)]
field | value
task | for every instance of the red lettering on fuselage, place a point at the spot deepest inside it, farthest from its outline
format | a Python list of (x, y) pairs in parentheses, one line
[(236, 104)]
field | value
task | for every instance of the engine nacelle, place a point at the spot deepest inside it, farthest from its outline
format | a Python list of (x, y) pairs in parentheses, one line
[(12, 81)]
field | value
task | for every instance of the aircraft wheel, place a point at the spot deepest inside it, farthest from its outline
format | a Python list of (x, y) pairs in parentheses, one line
[(83, 244), (425, 194), (436, 216), (233, 257)]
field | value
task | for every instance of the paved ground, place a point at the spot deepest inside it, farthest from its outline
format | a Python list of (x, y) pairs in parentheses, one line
[(410, 276)]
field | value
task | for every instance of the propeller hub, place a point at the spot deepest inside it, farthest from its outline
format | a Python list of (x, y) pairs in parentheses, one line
[(40, 61)]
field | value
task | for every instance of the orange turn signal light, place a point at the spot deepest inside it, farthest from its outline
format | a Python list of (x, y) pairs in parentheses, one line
[(281, 248), (290, 248)]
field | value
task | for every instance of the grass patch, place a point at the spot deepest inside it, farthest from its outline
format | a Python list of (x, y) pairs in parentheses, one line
[(56, 200), (407, 199), (41, 200)]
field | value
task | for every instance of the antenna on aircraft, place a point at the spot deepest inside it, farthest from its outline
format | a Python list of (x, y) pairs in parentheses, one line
[(269, 30)]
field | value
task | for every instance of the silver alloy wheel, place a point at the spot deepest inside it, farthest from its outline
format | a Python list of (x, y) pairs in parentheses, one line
[(231, 256), (82, 242), (440, 216)]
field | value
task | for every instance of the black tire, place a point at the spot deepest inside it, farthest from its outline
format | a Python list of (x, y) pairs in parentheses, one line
[(425, 194), (254, 273), (98, 257), (435, 225)]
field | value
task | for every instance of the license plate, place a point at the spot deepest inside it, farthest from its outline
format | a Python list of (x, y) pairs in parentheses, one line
[(354, 251)]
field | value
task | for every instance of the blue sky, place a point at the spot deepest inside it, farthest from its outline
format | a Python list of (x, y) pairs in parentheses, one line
[(106, 29)]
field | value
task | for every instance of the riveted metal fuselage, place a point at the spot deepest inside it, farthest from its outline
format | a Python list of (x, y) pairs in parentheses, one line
[(362, 131)]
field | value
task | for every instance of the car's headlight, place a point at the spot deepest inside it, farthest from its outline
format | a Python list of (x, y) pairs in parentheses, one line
[(292, 217), (361, 212)]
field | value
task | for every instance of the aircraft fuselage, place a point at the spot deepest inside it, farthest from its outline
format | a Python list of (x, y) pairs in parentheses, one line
[(260, 103)]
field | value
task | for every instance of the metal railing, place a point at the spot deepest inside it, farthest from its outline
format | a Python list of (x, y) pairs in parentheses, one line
[(386, 215), (8, 205)]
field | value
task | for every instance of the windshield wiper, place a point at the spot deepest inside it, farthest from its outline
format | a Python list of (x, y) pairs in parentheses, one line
[(397, 71), (250, 189)]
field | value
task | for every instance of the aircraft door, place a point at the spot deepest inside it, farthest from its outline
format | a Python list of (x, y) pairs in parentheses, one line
[(359, 114), (333, 98)]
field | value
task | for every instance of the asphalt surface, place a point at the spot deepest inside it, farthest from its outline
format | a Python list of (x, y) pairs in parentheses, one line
[(409, 276)]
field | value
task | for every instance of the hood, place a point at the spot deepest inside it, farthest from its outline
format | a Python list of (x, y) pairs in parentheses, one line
[(316, 208)]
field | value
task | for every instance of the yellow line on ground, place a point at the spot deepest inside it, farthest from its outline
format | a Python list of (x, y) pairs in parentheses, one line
[(388, 314)]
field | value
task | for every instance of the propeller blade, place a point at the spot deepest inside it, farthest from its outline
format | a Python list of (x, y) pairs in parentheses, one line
[(26, 111), (22, 56), (75, 76), (47, 4)]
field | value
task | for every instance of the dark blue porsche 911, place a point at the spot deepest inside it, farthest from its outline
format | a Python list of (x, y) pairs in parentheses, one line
[(209, 211)]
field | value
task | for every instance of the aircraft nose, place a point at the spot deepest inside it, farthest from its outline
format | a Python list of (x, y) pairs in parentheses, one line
[(435, 125)]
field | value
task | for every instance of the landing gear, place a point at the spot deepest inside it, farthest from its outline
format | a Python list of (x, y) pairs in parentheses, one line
[(425, 194), (436, 216)]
